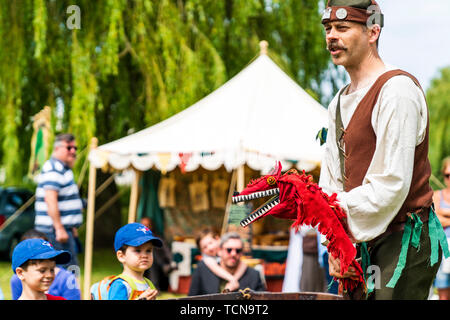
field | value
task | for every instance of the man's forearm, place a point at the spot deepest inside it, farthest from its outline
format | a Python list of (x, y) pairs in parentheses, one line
[(445, 220), (53, 212), (443, 212), (218, 270), (51, 199)]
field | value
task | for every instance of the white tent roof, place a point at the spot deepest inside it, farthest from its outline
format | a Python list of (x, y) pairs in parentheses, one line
[(259, 116)]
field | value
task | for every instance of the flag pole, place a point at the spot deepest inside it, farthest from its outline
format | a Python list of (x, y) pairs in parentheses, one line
[(90, 226)]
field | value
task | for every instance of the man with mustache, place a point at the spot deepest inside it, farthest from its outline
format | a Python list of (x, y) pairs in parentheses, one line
[(376, 160)]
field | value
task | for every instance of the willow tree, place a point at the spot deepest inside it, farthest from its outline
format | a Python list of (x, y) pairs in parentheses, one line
[(132, 63), (438, 96)]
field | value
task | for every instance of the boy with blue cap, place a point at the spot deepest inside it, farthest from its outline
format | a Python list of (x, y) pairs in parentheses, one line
[(34, 262), (134, 249)]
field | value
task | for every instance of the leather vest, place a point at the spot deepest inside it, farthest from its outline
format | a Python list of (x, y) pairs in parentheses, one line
[(360, 142)]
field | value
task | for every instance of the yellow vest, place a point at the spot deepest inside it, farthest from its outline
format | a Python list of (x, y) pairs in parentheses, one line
[(135, 293)]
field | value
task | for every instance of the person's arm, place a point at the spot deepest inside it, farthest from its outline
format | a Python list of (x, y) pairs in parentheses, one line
[(233, 282), (334, 269), (149, 294), (242, 267), (16, 287), (445, 221), (443, 214), (51, 199)]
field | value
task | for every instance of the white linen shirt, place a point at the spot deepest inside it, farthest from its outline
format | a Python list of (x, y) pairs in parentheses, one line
[(399, 120)]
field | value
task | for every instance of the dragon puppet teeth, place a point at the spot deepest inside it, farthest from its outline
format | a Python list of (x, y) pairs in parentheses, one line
[(260, 212), (255, 195)]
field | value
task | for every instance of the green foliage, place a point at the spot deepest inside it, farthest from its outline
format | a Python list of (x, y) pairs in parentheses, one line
[(40, 27), (438, 97), (12, 59), (134, 63)]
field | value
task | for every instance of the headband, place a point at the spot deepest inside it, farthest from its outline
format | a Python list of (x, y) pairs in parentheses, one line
[(371, 15)]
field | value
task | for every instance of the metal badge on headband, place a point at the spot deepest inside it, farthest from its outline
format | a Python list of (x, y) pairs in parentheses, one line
[(341, 13)]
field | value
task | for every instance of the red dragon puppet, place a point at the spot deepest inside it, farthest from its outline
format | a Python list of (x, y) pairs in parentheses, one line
[(296, 197)]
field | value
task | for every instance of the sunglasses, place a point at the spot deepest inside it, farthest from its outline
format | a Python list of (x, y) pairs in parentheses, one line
[(238, 251), (447, 175), (71, 147)]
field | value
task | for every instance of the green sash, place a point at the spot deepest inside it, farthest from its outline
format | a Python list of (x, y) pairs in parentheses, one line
[(411, 235)]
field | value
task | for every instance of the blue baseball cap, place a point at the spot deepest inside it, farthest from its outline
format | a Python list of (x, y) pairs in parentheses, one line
[(135, 234), (37, 249)]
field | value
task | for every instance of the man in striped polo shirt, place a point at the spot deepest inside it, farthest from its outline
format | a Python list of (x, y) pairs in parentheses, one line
[(58, 204)]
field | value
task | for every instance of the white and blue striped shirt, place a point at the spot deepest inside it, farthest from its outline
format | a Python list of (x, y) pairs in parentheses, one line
[(55, 175)]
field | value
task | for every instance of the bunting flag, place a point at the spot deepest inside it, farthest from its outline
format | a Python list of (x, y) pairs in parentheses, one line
[(40, 141), (184, 158), (163, 160)]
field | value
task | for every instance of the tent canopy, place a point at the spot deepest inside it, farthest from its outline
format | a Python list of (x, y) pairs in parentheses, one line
[(256, 118)]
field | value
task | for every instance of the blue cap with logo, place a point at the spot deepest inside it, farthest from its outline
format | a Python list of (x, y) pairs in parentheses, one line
[(37, 249), (135, 234)]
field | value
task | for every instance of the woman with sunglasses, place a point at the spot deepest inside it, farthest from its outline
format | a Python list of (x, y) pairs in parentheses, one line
[(441, 201)]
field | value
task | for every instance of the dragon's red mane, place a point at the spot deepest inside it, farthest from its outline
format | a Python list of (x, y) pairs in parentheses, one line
[(303, 201)]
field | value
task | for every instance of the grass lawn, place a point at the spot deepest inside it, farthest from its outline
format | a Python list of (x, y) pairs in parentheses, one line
[(104, 264)]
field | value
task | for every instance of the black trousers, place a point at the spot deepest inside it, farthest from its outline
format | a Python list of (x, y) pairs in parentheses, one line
[(417, 276)]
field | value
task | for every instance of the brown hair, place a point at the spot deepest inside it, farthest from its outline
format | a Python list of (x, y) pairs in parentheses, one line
[(209, 231), (34, 234), (32, 262)]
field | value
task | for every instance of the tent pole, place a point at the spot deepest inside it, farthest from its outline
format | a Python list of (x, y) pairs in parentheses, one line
[(134, 197), (89, 226), (227, 209), (240, 178)]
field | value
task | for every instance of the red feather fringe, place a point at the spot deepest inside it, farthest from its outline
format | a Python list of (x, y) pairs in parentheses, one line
[(317, 209)]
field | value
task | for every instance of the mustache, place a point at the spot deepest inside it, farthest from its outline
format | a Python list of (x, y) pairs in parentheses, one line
[(335, 46)]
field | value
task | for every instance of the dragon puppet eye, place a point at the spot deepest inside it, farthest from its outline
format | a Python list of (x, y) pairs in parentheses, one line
[(271, 181)]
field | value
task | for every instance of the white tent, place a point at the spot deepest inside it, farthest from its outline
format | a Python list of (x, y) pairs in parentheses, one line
[(258, 117)]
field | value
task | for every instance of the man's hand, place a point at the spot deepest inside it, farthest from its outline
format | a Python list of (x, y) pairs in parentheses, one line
[(149, 294), (335, 269), (51, 199), (61, 235)]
